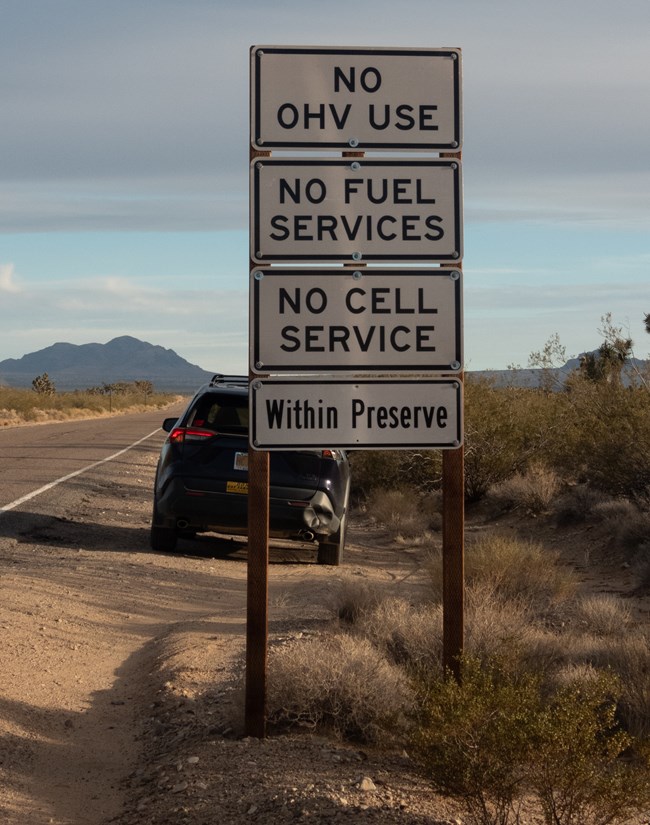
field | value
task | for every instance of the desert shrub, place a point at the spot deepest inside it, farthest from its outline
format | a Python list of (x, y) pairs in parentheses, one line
[(514, 568), (506, 428), (394, 469), (602, 615), (398, 511), (26, 405), (341, 683), (614, 510), (577, 772), (578, 505), (628, 655), (496, 735), (474, 739), (573, 673), (633, 532), (532, 491), (353, 598), (409, 635), (497, 628), (606, 436)]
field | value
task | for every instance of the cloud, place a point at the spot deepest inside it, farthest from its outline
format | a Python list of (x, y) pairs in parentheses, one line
[(7, 283), (208, 324)]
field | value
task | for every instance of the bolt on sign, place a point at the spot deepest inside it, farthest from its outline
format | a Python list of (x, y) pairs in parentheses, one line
[(360, 414), (360, 98), (356, 210), (334, 320)]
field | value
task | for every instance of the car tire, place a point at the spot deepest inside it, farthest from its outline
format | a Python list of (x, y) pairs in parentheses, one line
[(161, 539), (331, 551)]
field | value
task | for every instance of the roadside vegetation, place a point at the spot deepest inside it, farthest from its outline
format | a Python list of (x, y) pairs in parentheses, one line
[(44, 403), (553, 701)]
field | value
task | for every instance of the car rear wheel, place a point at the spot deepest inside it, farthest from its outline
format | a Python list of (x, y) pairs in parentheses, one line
[(162, 539), (331, 551)]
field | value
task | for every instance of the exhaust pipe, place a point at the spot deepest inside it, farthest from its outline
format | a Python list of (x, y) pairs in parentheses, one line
[(307, 535), (182, 524)]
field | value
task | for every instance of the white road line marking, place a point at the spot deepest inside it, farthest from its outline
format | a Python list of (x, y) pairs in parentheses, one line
[(49, 486)]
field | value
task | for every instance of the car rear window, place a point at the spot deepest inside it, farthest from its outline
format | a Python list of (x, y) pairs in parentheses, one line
[(226, 414)]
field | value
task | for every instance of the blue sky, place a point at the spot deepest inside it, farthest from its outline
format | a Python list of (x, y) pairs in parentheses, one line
[(124, 166)]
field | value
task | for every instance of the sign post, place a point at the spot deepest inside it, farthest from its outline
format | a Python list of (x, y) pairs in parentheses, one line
[(355, 356)]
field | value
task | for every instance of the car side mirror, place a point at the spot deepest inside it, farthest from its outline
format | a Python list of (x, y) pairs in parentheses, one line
[(168, 424)]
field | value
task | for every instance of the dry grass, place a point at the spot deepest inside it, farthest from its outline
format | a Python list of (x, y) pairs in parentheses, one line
[(340, 682), (533, 491), (578, 504), (28, 407), (406, 634), (633, 534), (520, 609), (614, 510), (498, 628), (354, 597), (400, 512), (629, 657), (603, 615), (515, 570)]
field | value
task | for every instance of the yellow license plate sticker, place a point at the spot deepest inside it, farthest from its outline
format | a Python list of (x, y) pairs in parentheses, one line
[(237, 487)]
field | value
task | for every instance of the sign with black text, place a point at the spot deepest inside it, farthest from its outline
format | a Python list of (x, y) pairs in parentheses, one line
[(355, 414), (356, 210), (360, 98), (378, 320)]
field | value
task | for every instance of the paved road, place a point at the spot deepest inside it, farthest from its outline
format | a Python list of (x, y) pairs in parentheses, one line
[(32, 457)]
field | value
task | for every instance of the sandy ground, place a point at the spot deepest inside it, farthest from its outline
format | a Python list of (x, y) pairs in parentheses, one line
[(119, 670)]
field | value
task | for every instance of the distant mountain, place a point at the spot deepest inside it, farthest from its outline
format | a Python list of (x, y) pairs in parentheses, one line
[(73, 366), (530, 377)]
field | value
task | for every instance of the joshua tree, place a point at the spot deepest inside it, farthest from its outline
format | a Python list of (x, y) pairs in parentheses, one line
[(43, 385)]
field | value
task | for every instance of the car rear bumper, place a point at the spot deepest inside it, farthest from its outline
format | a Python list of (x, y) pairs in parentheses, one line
[(188, 505)]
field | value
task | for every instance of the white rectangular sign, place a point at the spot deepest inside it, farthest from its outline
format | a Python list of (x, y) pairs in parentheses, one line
[(378, 320), (356, 210), (360, 98), (363, 414)]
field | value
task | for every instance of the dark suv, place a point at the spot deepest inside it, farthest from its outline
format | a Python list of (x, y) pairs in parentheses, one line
[(202, 478)]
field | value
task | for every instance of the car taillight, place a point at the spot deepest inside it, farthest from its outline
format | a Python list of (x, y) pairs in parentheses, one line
[(180, 435), (330, 454)]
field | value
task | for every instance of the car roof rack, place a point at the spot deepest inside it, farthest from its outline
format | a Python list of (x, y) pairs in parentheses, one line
[(219, 378)]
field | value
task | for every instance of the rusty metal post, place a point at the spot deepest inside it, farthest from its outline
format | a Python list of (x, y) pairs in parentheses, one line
[(257, 592), (257, 587), (453, 548)]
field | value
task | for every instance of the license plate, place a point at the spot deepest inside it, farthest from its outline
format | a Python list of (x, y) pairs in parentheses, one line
[(241, 461), (237, 487)]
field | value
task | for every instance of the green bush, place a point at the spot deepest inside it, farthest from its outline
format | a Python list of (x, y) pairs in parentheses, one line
[(605, 436), (495, 737), (474, 740), (506, 428), (578, 772), (419, 470)]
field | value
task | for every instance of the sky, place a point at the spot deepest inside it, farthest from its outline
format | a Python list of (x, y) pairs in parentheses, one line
[(124, 145)]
